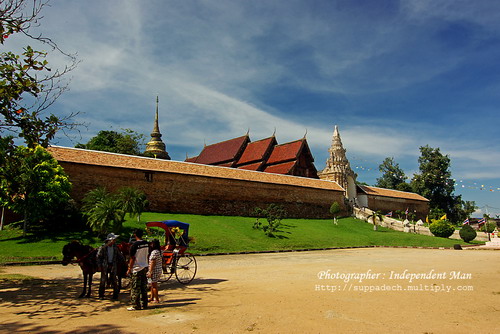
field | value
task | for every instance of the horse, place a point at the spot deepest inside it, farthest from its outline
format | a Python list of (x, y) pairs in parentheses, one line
[(86, 259)]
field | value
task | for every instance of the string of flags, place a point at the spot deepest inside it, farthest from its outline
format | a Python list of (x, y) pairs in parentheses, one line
[(462, 184)]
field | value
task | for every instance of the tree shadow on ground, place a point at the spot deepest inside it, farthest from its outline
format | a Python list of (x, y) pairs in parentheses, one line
[(55, 300), (283, 229)]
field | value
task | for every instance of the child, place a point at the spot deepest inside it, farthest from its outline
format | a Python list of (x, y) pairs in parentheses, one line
[(155, 270)]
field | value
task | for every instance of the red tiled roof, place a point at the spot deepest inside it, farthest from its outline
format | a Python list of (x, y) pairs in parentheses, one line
[(254, 166), (193, 159), (256, 151), (222, 152), (285, 152), (284, 168), (374, 191)]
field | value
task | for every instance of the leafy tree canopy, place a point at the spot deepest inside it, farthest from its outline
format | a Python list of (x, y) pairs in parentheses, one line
[(125, 142), (392, 174), (434, 182), (32, 183), (27, 85)]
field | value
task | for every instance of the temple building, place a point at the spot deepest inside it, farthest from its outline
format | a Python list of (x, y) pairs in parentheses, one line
[(338, 168), (265, 155), (156, 148)]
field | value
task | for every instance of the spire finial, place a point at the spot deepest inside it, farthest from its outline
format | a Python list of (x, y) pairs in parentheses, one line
[(274, 133), (156, 127), (305, 134), (156, 146)]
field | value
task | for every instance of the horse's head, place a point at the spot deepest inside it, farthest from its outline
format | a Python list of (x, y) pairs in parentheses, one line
[(69, 252)]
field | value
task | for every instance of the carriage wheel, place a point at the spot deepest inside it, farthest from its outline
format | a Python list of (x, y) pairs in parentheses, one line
[(186, 268), (166, 275)]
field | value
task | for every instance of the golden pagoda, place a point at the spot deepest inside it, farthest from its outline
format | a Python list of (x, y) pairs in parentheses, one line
[(156, 147)]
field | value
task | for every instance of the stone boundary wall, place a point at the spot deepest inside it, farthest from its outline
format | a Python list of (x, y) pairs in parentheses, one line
[(386, 204), (397, 225), (179, 187)]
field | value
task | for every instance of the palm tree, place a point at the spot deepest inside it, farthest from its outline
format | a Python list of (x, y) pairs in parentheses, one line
[(374, 216), (93, 197), (133, 201), (106, 215)]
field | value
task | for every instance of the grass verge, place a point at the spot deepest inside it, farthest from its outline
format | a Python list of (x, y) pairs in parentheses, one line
[(222, 234)]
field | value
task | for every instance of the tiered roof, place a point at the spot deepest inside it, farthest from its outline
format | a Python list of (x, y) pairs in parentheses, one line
[(225, 153), (265, 155), (257, 151)]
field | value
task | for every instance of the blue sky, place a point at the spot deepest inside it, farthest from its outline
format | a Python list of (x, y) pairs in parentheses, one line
[(393, 75)]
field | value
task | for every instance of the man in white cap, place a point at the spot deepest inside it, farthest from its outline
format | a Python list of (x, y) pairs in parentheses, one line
[(109, 262)]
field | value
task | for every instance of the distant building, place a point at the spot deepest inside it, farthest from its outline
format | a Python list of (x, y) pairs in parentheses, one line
[(265, 155), (156, 148), (386, 200)]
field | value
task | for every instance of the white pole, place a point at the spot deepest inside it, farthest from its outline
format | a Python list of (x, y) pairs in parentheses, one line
[(1, 221)]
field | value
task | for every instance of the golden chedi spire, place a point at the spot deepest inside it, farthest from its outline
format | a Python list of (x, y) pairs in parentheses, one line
[(156, 147)]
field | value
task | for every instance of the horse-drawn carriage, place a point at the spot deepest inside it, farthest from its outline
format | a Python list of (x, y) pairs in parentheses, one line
[(176, 261)]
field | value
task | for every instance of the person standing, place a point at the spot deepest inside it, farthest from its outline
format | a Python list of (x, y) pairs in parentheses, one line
[(138, 268), (155, 270), (110, 260)]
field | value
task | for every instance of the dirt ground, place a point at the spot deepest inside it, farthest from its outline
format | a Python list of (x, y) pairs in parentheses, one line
[(375, 290)]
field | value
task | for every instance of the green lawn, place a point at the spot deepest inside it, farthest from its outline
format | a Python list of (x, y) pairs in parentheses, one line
[(214, 234)]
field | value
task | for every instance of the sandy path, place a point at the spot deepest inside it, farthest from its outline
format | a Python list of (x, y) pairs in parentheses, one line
[(279, 293)]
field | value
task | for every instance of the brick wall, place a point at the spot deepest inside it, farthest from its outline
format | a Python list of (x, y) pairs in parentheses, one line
[(202, 194)]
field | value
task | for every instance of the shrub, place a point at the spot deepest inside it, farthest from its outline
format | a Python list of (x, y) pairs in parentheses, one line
[(441, 228), (467, 233), (274, 213)]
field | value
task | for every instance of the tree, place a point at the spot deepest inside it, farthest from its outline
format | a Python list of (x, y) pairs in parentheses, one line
[(133, 201), (434, 182), (334, 209), (125, 142), (104, 211), (376, 215), (392, 175), (106, 216), (274, 214), (32, 183), (27, 85)]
